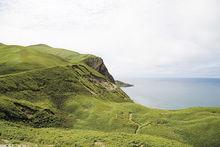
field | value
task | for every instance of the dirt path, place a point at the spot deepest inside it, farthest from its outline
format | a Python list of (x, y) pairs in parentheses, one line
[(138, 125), (99, 144)]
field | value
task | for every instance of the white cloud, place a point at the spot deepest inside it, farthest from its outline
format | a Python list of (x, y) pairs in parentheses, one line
[(136, 38)]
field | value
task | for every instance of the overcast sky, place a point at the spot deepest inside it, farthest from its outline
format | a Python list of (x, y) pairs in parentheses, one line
[(134, 37)]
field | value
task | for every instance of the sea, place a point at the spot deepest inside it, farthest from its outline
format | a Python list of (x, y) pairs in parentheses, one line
[(174, 93)]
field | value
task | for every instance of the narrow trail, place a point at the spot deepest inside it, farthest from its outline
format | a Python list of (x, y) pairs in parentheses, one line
[(139, 126)]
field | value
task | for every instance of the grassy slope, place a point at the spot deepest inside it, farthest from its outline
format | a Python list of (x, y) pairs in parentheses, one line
[(32, 100), (56, 84), (71, 137), (25, 112), (16, 58), (92, 119), (67, 55), (58, 90), (197, 126)]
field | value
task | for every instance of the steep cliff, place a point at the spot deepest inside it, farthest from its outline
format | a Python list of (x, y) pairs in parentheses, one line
[(98, 64)]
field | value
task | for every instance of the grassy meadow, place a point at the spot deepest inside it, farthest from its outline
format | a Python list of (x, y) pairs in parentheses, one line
[(52, 97)]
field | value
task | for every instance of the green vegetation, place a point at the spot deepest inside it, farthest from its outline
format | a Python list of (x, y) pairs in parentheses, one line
[(52, 96), (90, 119), (197, 126), (71, 137), (16, 58), (28, 113)]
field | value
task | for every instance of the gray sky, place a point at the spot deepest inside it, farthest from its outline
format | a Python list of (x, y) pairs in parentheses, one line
[(135, 37)]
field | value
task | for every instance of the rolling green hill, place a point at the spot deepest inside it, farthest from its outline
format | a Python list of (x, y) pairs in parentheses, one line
[(51, 96), (16, 58)]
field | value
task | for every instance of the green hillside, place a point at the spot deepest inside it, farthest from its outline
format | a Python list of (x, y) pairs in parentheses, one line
[(57, 97), (67, 55), (17, 58)]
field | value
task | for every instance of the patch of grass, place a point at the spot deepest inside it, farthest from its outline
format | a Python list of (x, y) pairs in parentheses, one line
[(22, 111), (18, 58), (72, 137), (196, 126)]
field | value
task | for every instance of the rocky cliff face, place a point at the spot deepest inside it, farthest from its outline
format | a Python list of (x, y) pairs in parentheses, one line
[(98, 64)]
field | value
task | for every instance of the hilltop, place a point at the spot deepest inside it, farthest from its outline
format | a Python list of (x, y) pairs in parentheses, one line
[(16, 58), (53, 96)]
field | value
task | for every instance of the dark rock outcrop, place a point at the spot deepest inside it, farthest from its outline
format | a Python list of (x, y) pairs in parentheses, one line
[(98, 64)]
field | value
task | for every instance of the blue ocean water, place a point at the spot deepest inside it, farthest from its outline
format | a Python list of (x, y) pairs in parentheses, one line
[(174, 93)]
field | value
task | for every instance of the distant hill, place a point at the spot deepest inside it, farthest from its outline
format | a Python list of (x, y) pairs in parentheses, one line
[(123, 84), (57, 97)]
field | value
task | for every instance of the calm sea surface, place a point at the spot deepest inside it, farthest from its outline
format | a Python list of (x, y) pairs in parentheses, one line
[(174, 93)]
